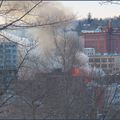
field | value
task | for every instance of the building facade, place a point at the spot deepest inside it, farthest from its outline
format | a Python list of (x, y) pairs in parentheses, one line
[(109, 63), (89, 51), (8, 61), (104, 40)]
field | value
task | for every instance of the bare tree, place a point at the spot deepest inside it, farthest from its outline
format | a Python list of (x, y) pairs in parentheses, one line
[(48, 95), (15, 15), (67, 99)]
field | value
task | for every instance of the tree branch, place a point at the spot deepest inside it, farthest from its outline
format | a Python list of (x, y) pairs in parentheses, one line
[(1, 3), (43, 24), (4, 27)]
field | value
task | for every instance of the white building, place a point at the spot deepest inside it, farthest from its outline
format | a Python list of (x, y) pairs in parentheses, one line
[(109, 63), (89, 51)]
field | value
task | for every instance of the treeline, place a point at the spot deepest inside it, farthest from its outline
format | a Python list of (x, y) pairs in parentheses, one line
[(92, 23)]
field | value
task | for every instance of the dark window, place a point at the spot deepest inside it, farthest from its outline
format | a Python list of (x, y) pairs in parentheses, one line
[(104, 60), (110, 65), (104, 65), (90, 59), (98, 65), (111, 59), (1, 46), (97, 59), (14, 51), (7, 50)]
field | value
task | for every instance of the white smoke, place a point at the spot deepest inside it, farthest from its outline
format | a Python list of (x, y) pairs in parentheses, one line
[(44, 35)]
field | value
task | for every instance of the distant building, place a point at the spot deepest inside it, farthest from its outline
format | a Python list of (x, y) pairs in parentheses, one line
[(109, 63), (89, 51), (8, 61), (104, 40)]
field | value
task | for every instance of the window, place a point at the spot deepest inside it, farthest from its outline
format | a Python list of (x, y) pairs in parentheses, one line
[(6, 45), (104, 65), (14, 61), (1, 46), (13, 51), (1, 56), (97, 59), (117, 69), (14, 56), (1, 67), (1, 50), (90, 59), (8, 57), (111, 59), (104, 60), (110, 65), (92, 65), (8, 61), (98, 65), (7, 50)]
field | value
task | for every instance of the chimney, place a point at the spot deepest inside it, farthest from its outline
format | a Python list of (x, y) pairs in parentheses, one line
[(110, 25)]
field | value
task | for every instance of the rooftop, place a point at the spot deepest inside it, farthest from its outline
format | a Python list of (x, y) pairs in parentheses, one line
[(107, 54)]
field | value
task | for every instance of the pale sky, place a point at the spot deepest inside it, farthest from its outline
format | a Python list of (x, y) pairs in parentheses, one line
[(82, 8)]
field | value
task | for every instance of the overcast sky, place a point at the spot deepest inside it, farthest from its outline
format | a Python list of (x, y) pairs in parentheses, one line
[(82, 8)]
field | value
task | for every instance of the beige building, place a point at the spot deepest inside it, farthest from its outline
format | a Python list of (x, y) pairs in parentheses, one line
[(110, 63)]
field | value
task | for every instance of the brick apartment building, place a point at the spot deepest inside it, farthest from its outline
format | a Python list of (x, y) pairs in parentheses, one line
[(104, 40)]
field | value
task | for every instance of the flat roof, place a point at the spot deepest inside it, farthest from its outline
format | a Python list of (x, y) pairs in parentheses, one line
[(103, 55)]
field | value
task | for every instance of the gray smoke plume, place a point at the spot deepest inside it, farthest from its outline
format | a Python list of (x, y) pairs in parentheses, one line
[(49, 12), (44, 35)]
